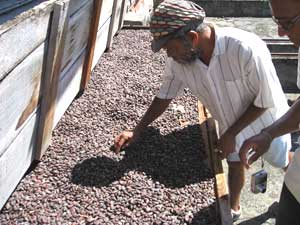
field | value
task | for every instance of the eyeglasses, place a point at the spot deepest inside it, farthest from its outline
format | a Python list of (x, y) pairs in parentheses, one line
[(286, 24)]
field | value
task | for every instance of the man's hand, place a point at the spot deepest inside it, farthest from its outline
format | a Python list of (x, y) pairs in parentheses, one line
[(226, 144), (255, 146), (124, 139)]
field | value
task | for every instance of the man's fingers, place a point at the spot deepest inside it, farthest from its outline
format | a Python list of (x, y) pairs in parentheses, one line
[(253, 158), (120, 140), (244, 152)]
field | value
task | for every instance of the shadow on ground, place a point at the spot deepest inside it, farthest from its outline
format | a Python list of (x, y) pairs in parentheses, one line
[(174, 160), (262, 218), (201, 217)]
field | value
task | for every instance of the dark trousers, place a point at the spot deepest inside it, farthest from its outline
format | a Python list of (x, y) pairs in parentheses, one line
[(289, 209)]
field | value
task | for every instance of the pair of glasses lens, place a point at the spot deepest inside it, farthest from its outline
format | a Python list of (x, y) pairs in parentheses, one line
[(285, 24)]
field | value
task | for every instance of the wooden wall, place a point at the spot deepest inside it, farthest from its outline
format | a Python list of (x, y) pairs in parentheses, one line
[(47, 50)]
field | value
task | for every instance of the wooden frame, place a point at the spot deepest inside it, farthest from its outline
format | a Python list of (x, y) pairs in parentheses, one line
[(209, 134), (50, 83), (86, 74)]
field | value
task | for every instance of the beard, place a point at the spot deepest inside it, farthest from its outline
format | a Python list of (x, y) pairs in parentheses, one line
[(189, 57)]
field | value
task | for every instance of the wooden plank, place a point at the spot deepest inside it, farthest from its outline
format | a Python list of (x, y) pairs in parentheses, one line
[(51, 77), (209, 134), (106, 12), (122, 14), (115, 22), (19, 94), (17, 159), (86, 74), (77, 34), (76, 5), (32, 32), (8, 5), (68, 88), (101, 42)]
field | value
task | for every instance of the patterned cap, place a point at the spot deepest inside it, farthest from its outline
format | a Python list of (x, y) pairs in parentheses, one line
[(172, 18)]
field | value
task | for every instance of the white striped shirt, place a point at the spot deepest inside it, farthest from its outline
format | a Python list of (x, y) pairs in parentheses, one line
[(240, 73)]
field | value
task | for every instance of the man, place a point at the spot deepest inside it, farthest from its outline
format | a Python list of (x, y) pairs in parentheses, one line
[(287, 17), (232, 74)]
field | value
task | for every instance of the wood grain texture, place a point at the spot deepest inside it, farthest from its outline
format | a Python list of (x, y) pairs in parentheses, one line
[(19, 94), (93, 30), (77, 34), (209, 135), (68, 88), (51, 77), (101, 42), (32, 32), (16, 160)]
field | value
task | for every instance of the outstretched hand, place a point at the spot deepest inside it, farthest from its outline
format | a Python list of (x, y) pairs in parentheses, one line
[(124, 139), (253, 148)]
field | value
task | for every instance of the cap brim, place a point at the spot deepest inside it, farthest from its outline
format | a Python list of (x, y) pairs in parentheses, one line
[(157, 44)]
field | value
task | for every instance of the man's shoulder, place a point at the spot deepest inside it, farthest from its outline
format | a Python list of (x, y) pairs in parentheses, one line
[(237, 34)]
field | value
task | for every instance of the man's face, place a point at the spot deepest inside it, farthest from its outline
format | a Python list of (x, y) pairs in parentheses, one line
[(181, 50), (287, 16)]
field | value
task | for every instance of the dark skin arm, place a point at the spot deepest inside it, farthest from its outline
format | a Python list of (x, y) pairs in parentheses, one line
[(157, 107), (260, 143), (226, 143)]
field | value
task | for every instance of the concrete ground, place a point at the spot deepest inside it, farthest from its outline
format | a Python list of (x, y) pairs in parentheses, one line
[(260, 209)]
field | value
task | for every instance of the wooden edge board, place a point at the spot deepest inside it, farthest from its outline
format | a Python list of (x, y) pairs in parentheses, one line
[(51, 78), (209, 135), (86, 74)]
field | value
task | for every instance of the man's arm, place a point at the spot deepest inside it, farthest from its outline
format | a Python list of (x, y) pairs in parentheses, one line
[(226, 142), (260, 143), (157, 107)]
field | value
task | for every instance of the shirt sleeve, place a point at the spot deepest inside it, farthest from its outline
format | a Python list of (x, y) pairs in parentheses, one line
[(262, 77), (171, 86)]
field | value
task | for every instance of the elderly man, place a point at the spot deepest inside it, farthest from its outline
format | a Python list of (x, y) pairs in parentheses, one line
[(232, 74), (287, 17)]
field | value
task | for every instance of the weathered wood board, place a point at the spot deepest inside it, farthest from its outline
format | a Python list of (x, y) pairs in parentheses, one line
[(106, 12), (53, 62), (77, 34), (8, 5), (101, 42), (115, 21), (17, 159), (76, 5), (68, 88), (209, 135), (32, 29), (19, 94)]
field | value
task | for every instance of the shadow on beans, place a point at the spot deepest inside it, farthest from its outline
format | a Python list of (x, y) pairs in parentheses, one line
[(174, 160), (207, 216)]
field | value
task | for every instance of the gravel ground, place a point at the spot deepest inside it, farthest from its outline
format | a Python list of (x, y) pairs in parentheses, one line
[(160, 179)]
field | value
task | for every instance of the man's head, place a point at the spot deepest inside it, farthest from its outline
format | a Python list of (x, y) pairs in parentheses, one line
[(287, 16), (171, 22)]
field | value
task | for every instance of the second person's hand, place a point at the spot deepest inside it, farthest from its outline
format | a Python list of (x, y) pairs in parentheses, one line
[(124, 139), (253, 148)]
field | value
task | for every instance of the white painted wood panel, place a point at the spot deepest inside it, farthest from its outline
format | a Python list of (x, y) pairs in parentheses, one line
[(115, 21), (19, 94), (77, 35), (17, 159), (106, 12), (101, 42), (68, 88)]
